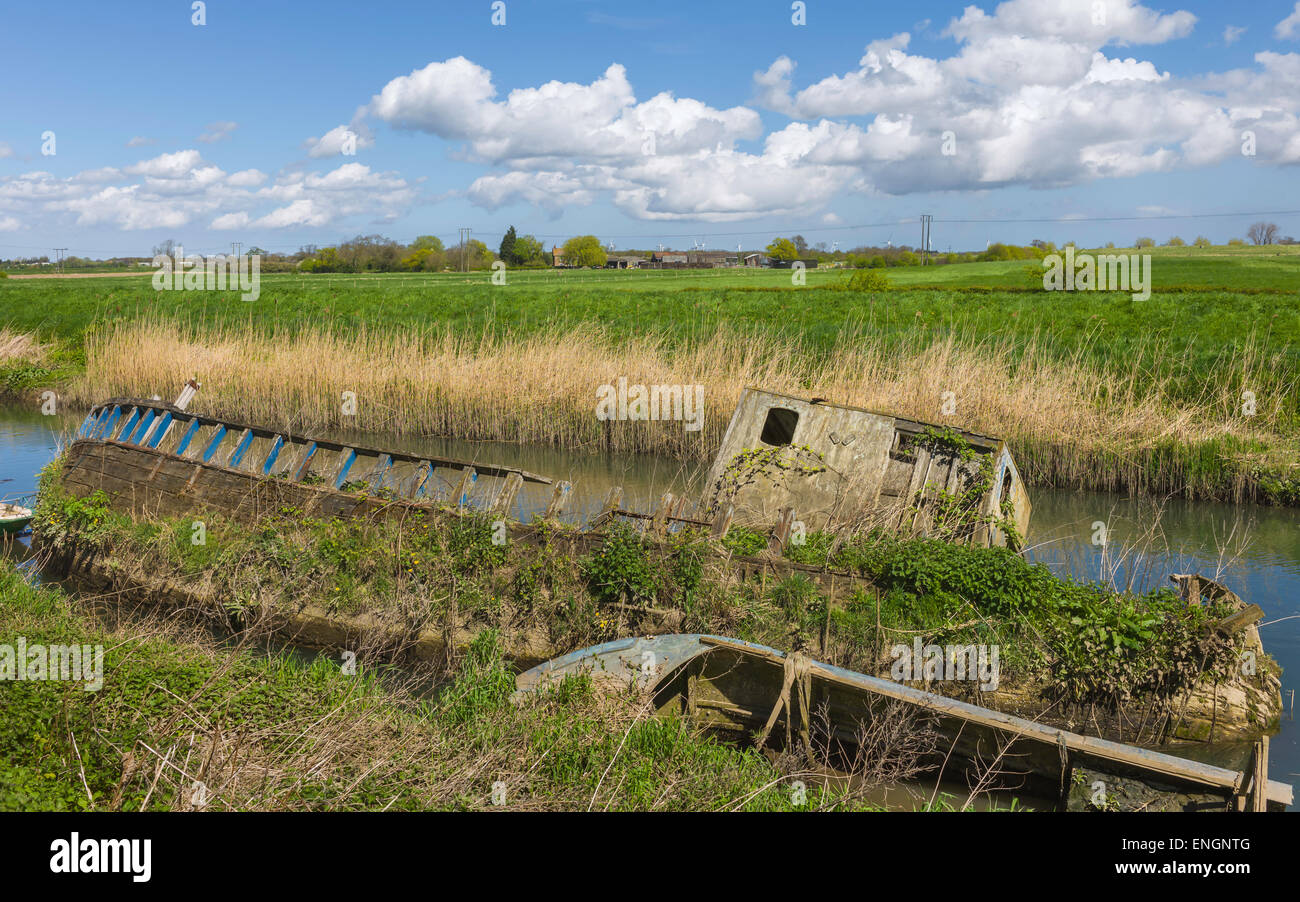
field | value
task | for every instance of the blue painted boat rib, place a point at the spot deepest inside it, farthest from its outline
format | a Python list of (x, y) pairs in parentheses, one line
[(131, 420), (381, 469), (349, 458), (217, 436), (188, 437), (241, 448), (143, 427), (89, 423), (107, 421), (154, 438), (272, 455)]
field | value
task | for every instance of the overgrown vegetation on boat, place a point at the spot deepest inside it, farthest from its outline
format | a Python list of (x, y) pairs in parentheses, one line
[(1072, 651)]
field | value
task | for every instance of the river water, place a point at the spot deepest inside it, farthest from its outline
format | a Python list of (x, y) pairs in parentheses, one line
[(1148, 539)]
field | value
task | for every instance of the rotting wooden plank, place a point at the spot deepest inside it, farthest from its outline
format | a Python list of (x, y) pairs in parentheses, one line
[(919, 470), (659, 520), (506, 496), (559, 498), (468, 478), (1238, 621), (722, 521)]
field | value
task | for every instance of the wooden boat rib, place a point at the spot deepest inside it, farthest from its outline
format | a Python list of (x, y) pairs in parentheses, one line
[(736, 686)]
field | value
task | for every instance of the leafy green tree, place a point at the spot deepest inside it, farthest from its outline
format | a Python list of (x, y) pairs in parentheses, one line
[(429, 242), (782, 249), (584, 250), (1145, 242), (530, 251), (1201, 241)]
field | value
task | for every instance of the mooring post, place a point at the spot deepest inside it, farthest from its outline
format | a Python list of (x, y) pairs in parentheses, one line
[(559, 498)]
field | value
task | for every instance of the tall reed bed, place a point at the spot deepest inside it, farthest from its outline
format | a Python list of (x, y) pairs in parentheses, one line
[(1069, 420)]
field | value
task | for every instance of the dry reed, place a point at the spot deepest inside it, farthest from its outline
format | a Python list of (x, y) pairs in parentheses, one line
[(1072, 421)]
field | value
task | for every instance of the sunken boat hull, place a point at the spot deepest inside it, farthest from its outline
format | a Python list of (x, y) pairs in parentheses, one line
[(750, 692), (156, 459)]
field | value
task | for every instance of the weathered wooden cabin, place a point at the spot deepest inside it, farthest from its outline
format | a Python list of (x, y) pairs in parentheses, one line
[(837, 465)]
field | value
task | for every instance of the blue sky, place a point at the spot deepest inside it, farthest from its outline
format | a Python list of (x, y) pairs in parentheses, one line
[(1057, 109)]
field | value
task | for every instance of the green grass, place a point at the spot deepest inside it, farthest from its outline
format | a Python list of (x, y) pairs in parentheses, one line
[(272, 731), (1205, 309)]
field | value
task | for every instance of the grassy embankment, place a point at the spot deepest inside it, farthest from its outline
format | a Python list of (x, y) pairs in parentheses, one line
[(183, 722), (1094, 390), (1065, 646)]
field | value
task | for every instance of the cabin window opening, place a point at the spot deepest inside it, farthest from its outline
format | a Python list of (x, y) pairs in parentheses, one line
[(779, 426)]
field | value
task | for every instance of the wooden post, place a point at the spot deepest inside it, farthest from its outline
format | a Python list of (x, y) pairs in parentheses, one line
[(612, 503), (506, 497), (722, 522), (1259, 801), (781, 532), (559, 498)]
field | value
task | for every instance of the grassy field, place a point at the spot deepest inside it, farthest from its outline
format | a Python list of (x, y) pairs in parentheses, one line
[(1095, 389)]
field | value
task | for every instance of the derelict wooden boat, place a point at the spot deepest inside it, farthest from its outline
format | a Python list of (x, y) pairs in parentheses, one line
[(848, 465), (157, 458), (743, 689)]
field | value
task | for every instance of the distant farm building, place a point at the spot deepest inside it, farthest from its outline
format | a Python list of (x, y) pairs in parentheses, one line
[(624, 261), (808, 262)]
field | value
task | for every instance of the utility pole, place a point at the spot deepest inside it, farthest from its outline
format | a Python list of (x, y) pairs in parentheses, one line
[(58, 256), (925, 237), (464, 239), (235, 248)]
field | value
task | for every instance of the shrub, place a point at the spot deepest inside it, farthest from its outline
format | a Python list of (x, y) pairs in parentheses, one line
[(868, 280)]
